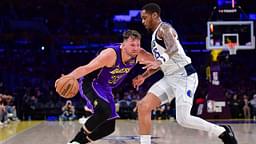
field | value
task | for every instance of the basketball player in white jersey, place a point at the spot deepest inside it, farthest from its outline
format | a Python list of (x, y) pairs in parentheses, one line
[(180, 80)]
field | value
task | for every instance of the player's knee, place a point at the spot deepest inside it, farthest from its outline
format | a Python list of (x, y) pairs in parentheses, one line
[(144, 107), (180, 120), (183, 119), (112, 129)]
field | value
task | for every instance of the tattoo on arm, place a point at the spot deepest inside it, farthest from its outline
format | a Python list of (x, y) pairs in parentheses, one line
[(168, 34)]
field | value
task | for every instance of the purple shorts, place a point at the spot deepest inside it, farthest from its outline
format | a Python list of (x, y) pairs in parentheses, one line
[(101, 92)]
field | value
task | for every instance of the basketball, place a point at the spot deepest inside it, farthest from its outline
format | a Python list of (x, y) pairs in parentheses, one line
[(67, 86)]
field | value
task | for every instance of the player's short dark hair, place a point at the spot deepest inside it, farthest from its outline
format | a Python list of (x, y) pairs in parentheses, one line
[(151, 8), (131, 33)]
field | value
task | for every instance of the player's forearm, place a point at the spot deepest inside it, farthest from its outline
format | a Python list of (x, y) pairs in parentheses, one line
[(80, 72), (149, 73)]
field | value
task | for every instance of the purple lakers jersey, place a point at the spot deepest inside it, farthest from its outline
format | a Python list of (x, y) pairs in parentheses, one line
[(107, 79), (112, 77)]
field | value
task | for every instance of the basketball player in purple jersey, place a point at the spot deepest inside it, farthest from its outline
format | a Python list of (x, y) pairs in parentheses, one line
[(115, 63), (180, 80)]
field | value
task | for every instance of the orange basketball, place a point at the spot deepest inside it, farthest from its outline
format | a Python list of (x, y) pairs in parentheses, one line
[(67, 86)]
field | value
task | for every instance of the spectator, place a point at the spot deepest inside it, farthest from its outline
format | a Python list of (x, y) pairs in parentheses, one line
[(235, 106), (160, 113), (3, 113), (246, 107), (11, 109), (68, 111), (33, 104), (253, 104)]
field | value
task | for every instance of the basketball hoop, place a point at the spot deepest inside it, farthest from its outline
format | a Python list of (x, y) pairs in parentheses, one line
[(232, 48)]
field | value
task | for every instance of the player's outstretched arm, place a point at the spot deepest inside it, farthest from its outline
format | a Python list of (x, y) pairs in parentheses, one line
[(139, 80), (104, 59), (143, 57)]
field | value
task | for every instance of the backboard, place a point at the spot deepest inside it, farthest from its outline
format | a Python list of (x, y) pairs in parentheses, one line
[(221, 33)]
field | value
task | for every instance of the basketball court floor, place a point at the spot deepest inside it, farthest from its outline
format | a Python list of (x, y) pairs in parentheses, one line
[(164, 132)]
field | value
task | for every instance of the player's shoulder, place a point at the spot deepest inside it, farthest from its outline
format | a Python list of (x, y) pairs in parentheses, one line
[(142, 50), (108, 51), (166, 25), (107, 57), (166, 29)]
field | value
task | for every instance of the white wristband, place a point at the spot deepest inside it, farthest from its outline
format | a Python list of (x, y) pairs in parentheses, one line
[(163, 58)]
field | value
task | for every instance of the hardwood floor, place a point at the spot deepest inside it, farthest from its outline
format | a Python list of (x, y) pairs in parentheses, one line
[(164, 132)]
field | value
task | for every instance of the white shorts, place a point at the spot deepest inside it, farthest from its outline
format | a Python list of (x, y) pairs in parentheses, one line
[(177, 85)]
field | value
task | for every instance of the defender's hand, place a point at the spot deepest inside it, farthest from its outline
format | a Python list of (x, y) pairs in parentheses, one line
[(138, 81), (151, 64)]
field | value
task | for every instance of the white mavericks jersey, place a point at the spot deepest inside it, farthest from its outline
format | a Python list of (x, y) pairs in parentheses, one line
[(176, 61)]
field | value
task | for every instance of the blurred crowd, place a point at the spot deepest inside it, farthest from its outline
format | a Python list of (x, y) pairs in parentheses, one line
[(242, 106)]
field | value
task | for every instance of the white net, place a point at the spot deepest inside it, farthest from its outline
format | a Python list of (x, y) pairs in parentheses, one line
[(232, 48), (232, 51)]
